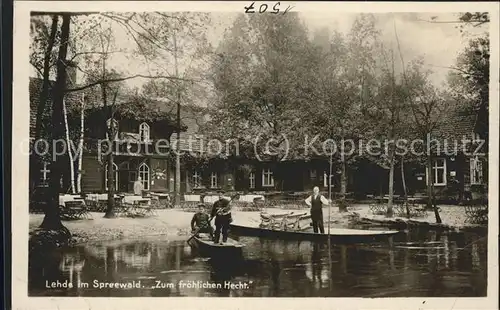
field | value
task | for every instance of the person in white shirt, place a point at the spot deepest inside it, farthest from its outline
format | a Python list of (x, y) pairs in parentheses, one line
[(316, 202), (138, 187)]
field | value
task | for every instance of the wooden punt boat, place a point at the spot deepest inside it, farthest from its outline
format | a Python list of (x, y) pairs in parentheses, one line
[(293, 226), (206, 247), (337, 235)]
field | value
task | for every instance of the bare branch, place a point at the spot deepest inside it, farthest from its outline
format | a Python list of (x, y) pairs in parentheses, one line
[(126, 24), (457, 69), (96, 53), (37, 13), (104, 81)]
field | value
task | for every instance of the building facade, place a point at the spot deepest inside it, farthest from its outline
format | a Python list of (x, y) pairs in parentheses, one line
[(143, 122)]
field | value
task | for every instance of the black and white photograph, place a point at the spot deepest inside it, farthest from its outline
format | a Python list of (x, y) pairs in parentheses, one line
[(255, 149)]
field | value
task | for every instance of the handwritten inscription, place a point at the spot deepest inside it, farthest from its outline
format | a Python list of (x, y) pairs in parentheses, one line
[(264, 7)]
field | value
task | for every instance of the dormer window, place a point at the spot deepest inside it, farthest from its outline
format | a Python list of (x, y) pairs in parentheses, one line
[(144, 132)]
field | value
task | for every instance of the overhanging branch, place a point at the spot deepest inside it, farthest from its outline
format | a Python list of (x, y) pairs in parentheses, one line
[(103, 81)]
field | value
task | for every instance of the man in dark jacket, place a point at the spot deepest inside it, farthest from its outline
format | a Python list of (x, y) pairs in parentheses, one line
[(316, 202), (201, 221), (222, 213)]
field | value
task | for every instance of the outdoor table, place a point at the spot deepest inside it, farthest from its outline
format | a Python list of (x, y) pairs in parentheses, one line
[(64, 198), (72, 207), (250, 198), (213, 198), (100, 201), (162, 199), (137, 206), (135, 199)]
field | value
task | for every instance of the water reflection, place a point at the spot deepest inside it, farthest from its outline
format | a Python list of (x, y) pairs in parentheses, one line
[(420, 263)]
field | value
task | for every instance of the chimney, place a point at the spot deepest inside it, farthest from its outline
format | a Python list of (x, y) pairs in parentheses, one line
[(71, 70)]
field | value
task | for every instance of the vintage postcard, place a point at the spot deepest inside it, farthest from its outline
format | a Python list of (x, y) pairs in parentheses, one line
[(235, 155)]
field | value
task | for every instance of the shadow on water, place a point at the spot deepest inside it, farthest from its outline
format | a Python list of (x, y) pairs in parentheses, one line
[(421, 263)]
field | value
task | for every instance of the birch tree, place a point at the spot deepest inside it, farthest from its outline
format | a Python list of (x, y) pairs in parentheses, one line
[(343, 82), (139, 31), (428, 106), (70, 153), (80, 144)]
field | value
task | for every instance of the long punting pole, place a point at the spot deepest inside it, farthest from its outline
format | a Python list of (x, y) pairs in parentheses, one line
[(329, 217)]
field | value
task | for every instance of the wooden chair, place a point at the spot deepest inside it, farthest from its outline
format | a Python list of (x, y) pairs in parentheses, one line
[(74, 210), (377, 207), (476, 213)]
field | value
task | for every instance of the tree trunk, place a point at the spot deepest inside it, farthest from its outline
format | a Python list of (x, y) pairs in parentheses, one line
[(431, 203), (390, 211), (429, 182), (403, 180), (68, 146), (52, 219), (343, 179), (178, 155), (44, 94), (110, 212), (80, 146), (404, 187), (343, 186)]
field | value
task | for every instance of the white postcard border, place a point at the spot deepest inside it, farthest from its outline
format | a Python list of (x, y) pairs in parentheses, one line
[(20, 166)]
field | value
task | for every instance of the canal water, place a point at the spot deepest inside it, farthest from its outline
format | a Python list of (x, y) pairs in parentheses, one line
[(419, 264)]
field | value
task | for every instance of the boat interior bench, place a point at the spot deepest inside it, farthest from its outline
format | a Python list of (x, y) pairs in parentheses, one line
[(287, 221)]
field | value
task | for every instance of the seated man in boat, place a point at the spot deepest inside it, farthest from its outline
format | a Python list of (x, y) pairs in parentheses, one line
[(222, 213), (201, 222), (316, 202)]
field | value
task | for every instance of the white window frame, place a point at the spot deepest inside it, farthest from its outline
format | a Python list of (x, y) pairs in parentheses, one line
[(145, 171), (476, 164), (214, 180), (45, 172), (325, 179), (435, 169), (144, 132), (115, 167), (267, 173), (251, 180), (196, 179)]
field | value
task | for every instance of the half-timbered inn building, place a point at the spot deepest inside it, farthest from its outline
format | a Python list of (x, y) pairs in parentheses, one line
[(141, 122), (458, 171)]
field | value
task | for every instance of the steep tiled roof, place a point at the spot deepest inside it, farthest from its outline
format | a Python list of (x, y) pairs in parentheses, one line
[(35, 88), (457, 125), (92, 100)]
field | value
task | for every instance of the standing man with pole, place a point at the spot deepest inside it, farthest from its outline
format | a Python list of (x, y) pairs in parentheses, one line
[(316, 202), (222, 213)]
